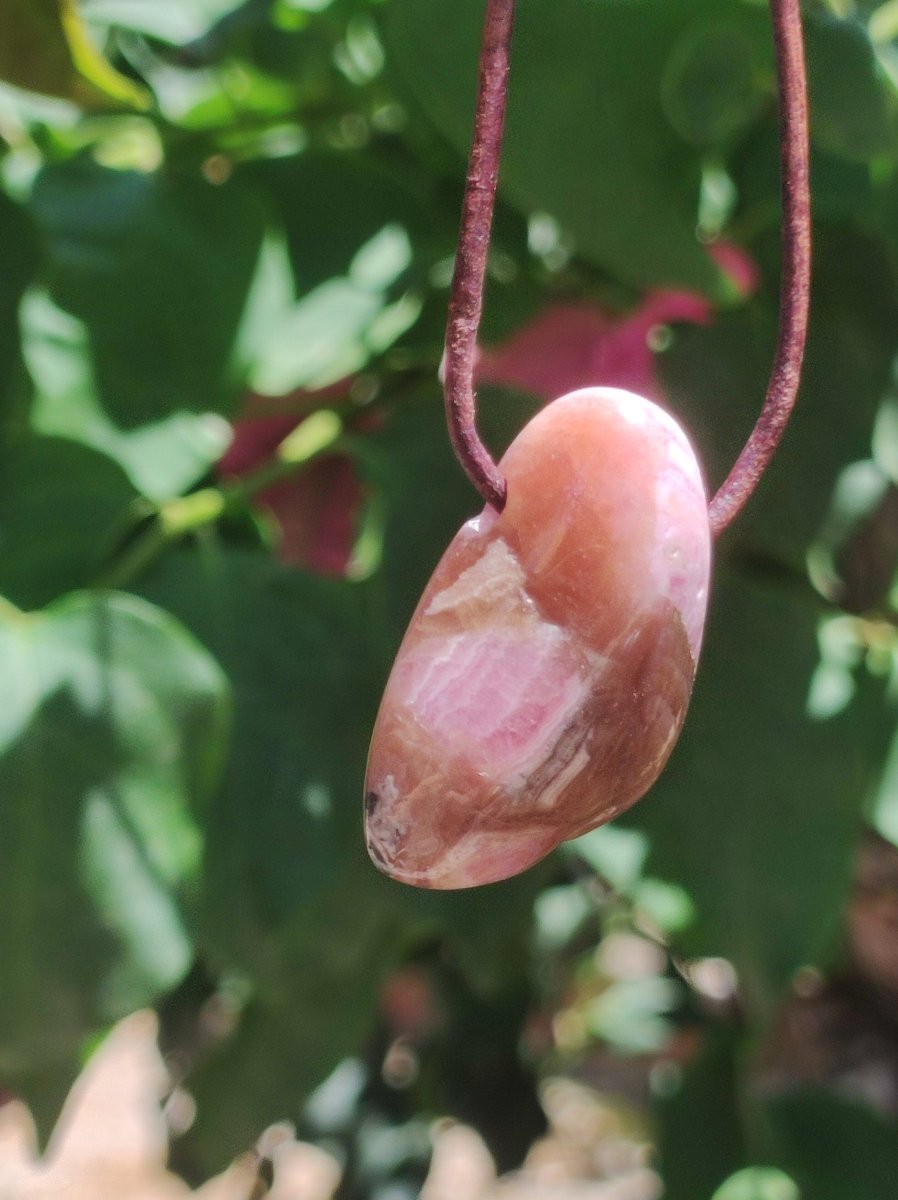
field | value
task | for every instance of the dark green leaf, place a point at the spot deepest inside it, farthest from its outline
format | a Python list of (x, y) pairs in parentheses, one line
[(629, 200), (426, 493), (719, 76), (836, 1147), (426, 497), (758, 813), (474, 1071), (158, 268), (843, 191), (331, 204), (717, 376), (18, 261), (487, 930), (296, 649), (853, 111), (317, 1008), (700, 1138), (63, 508)]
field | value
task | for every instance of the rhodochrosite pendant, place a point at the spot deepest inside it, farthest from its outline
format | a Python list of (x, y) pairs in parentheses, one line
[(546, 672)]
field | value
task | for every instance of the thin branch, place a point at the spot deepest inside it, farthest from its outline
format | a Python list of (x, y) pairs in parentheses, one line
[(466, 301), (184, 515), (796, 270)]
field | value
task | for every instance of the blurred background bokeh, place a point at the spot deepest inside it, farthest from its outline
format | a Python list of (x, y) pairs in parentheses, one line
[(226, 239)]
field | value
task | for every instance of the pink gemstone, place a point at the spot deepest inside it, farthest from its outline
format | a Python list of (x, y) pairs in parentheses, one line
[(546, 673)]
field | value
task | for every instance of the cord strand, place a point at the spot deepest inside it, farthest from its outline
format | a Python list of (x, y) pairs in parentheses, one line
[(466, 300), (795, 285)]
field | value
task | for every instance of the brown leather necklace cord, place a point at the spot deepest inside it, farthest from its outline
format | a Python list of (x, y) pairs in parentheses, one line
[(466, 299), (795, 285)]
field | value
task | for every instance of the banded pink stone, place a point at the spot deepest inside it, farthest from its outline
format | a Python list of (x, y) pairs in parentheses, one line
[(546, 672)]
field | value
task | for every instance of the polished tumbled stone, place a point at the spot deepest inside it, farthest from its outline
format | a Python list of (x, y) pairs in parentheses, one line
[(546, 673)]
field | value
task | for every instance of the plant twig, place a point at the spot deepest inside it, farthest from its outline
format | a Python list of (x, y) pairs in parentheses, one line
[(795, 284), (466, 301), (318, 435)]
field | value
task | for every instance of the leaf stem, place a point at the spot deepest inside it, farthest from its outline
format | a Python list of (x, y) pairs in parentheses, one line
[(466, 299), (319, 434), (795, 285)]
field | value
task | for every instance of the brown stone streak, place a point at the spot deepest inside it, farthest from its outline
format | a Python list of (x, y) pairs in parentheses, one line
[(624, 758)]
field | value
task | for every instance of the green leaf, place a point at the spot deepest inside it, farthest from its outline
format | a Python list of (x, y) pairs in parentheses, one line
[(882, 809), (597, 153), (843, 191), (289, 896), (162, 458), (719, 76), (335, 329), (357, 243), (18, 261), (716, 378), (759, 810), (473, 1068), (853, 109), (111, 734), (332, 204), (304, 666), (758, 1183), (63, 508), (91, 63), (158, 268), (835, 1146), (322, 1007), (700, 1138), (425, 498), (319, 1009)]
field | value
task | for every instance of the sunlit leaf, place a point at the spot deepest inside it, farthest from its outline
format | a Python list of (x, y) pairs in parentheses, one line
[(110, 740), (161, 457)]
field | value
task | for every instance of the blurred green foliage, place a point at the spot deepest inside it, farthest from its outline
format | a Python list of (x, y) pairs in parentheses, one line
[(218, 218)]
